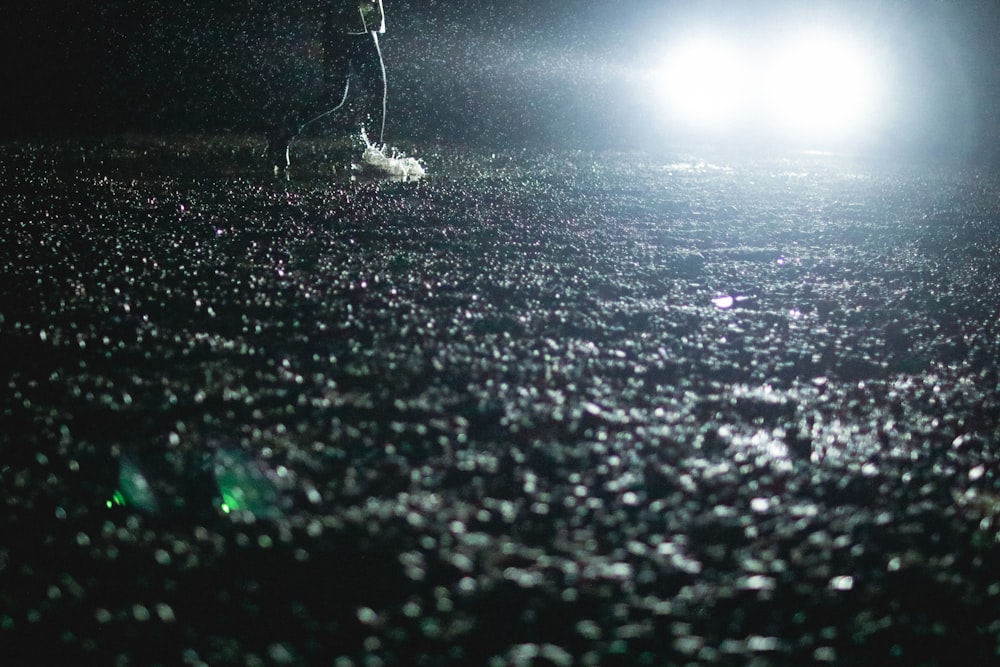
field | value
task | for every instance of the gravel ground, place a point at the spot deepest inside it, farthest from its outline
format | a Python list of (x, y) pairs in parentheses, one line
[(537, 409)]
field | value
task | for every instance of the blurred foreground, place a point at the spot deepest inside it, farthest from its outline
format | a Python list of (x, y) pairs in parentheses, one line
[(557, 409)]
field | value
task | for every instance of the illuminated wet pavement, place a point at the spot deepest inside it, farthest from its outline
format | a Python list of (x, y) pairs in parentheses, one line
[(560, 409)]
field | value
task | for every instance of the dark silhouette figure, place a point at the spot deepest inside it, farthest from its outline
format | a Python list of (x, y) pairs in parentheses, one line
[(354, 85)]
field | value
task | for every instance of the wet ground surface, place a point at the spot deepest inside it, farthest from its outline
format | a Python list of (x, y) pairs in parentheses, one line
[(557, 409)]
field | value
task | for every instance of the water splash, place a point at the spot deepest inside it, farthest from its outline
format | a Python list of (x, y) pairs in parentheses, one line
[(389, 162)]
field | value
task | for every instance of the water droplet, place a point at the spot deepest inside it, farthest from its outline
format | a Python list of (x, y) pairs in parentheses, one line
[(760, 504), (723, 302)]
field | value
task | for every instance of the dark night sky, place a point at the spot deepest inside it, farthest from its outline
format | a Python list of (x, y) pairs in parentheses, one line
[(565, 71)]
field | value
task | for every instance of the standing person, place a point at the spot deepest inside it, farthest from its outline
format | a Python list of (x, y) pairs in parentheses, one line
[(353, 79)]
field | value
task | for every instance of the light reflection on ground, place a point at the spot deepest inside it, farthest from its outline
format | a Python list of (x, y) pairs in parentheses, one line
[(568, 407)]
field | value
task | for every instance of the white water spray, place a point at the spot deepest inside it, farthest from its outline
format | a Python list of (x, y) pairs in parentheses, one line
[(390, 163)]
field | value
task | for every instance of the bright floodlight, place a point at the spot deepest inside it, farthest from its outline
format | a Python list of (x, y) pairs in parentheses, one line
[(814, 86), (703, 82), (820, 85)]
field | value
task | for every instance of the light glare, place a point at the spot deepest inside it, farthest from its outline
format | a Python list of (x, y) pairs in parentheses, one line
[(819, 85), (812, 85), (704, 83)]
